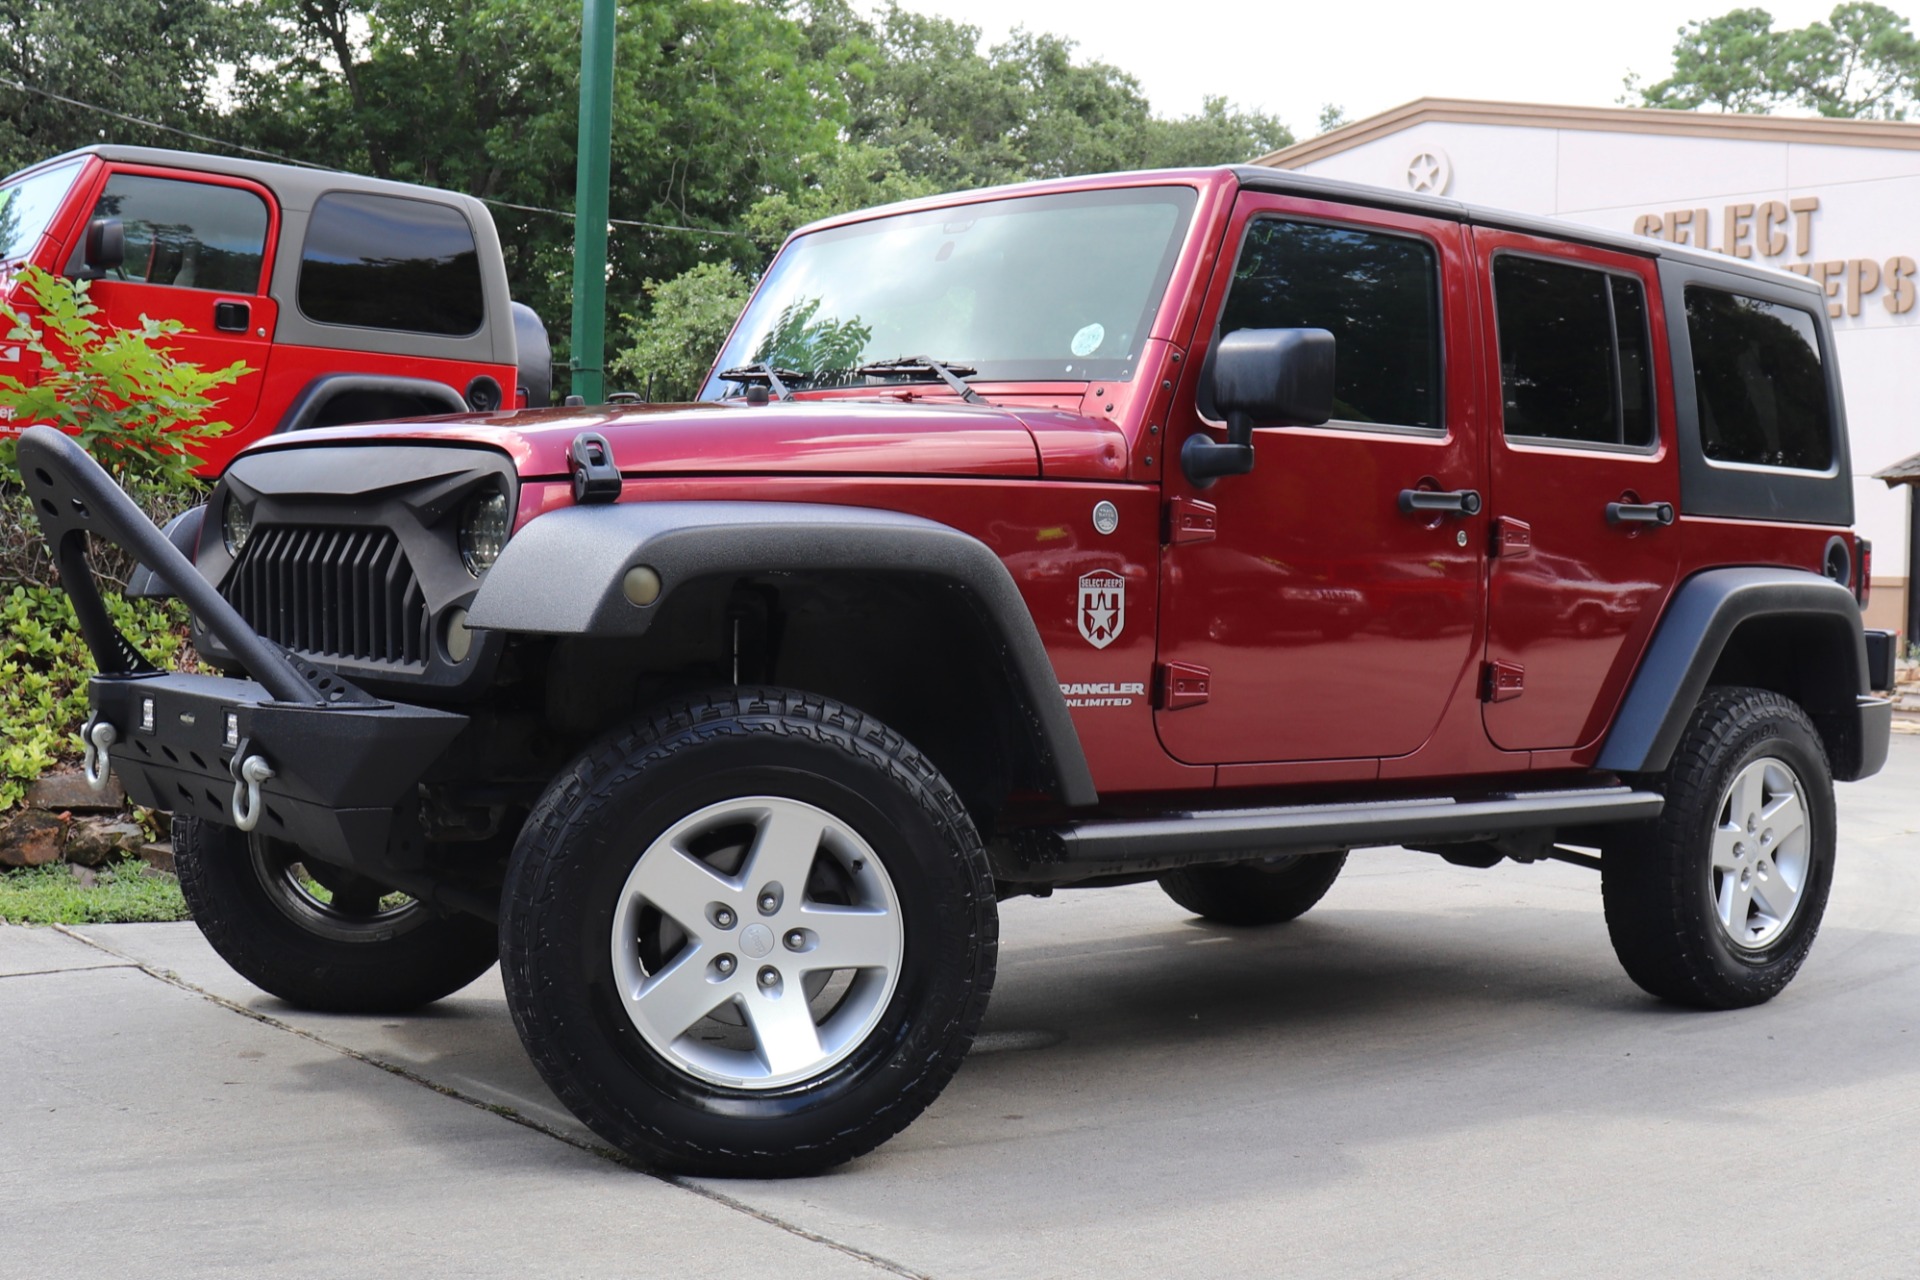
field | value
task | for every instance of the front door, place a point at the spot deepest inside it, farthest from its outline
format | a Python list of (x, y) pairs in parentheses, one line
[(197, 251), (1328, 615), (1583, 481)]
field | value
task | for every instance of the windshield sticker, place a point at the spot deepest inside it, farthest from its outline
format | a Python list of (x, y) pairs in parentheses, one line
[(1103, 607), (1088, 340)]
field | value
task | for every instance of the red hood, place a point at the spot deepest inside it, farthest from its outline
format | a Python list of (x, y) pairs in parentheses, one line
[(807, 437)]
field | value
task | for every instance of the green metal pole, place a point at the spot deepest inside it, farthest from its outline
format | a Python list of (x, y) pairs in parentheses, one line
[(590, 202)]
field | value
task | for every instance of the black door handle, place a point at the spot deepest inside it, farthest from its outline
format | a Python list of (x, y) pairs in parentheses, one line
[(1639, 513), (1447, 502), (231, 317)]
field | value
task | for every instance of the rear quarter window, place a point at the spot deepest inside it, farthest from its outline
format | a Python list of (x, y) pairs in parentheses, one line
[(1759, 382), (388, 262)]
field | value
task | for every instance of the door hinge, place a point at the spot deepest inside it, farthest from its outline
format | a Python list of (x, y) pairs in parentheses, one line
[(1181, 685), (1502, 681), (1511, 539), (1190, 520)]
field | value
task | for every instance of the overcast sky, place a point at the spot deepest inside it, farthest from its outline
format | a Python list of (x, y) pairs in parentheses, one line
[(1369, 55)]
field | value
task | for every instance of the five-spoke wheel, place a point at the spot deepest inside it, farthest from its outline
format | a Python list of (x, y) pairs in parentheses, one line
[(1716, 902), (1762, 852), (757, 942), (753, 934)]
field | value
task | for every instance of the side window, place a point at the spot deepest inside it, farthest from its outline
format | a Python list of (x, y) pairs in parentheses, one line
[(388, 262), (1378, 294), (188, 235), (1574, 362), (1761, 388)]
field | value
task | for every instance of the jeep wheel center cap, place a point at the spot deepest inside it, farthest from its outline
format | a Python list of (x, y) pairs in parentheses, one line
[(756, 940)]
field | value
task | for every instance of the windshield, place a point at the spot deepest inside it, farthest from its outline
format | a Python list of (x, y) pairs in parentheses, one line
[(28, 204), (1034, 288)]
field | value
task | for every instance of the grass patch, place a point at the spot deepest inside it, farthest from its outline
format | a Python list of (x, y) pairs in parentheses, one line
[(121, 894)]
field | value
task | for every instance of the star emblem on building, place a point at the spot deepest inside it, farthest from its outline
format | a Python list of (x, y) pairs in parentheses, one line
[(1424, 173)]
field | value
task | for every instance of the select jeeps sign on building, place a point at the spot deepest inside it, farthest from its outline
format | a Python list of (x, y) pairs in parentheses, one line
[(1831, 200)]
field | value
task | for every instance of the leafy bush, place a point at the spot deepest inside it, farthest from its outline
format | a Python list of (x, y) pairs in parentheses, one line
[(121, 393), (44, 665), (138, 410)]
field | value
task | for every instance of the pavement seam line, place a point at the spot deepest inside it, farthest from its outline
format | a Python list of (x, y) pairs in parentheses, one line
[(72, 968), (174, 980)]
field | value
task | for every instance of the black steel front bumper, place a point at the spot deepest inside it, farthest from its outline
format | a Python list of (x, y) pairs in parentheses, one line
[(296, 752)]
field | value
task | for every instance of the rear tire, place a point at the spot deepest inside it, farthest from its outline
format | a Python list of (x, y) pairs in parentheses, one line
[(1715, 903), (1270, 891), (328, 939)]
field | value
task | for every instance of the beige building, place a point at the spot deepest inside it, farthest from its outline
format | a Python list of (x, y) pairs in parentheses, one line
[(1837, 201)]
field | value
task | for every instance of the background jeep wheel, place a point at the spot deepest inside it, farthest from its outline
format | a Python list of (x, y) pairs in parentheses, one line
[(321, 937), (1716, 902), (1270, 891), (753, 935)]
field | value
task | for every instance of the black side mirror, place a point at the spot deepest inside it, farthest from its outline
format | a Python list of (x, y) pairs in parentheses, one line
[(106, 248), (1276, 377)]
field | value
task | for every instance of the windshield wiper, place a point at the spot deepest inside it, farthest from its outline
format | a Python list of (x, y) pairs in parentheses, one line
[(947, 373), (748, 374)]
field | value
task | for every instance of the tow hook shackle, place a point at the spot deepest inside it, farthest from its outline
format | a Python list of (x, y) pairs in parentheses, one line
[(100, 737), (248, 774)]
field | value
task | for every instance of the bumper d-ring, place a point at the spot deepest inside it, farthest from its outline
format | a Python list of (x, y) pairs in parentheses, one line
[(100, 737), (247, 807)]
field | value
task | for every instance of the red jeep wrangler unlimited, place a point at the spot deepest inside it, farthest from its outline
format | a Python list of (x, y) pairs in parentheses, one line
[(1196, 526), (348, 298)]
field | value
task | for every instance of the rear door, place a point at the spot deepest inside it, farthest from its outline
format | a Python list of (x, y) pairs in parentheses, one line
[(1583, 480), (1328, 621), (198, 249)]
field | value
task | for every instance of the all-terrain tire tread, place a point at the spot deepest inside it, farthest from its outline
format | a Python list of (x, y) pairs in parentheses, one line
[(433, 960), (570, 803), (1647, 873)]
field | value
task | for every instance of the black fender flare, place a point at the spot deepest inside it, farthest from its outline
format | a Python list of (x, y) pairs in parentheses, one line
[(314, 396), (564, 574), (1693, 634)]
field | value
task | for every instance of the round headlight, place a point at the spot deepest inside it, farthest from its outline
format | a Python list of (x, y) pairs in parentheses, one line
[(483, 532), (236, 525)]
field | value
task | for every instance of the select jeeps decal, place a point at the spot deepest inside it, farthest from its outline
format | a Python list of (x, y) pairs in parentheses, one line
[(1103, 607), (1104, 693)]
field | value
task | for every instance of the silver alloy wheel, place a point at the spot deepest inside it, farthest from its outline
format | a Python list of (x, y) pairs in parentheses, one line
[(757, 942), (354, 909), (1762, 853)]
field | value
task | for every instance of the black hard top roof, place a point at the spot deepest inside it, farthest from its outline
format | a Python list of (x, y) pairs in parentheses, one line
[(1291, 182)]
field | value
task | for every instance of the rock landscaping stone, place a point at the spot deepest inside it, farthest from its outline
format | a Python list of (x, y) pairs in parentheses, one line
[(94, 842), (32, 838), (158, 856), (69, 791)]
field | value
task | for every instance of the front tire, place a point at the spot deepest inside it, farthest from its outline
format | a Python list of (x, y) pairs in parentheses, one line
[(752, 935), (1715, 903), (321, 937)]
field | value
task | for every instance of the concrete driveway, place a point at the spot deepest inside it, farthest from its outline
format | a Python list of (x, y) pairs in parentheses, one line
[(1437, 1072)]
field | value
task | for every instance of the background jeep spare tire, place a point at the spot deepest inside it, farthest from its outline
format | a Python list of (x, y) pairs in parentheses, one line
[(752, 935)]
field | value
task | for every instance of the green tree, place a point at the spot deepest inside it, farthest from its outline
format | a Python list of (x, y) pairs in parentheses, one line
[(672, 346), (1862, 62), (712, 104), (156, 59)]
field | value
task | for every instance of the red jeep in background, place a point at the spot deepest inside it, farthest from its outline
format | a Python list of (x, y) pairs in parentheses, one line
[(1198, 526), (348, 298)]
